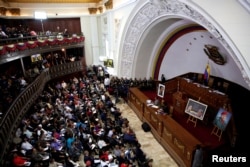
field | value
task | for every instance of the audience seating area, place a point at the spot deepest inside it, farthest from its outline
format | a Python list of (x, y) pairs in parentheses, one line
[(75, 122)]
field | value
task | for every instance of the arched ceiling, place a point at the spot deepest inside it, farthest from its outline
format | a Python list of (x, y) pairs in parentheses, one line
[(184, 54)]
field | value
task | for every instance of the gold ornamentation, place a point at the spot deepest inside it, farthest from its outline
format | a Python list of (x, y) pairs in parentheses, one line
[(179, 145), (213, 53), (168, 134)]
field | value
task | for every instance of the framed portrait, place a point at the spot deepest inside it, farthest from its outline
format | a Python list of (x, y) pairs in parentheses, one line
[(109, 63), (196, 109), (161, 90), (222, 118)]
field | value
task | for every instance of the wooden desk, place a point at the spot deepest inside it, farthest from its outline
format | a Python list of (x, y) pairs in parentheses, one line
[(171, 135), (206, 95)]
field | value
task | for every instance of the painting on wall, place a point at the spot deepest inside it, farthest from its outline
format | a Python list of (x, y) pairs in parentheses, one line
[(196, 109), (109, 63)]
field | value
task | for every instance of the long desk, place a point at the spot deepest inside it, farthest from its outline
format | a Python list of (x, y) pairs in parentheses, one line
[(170, 134)]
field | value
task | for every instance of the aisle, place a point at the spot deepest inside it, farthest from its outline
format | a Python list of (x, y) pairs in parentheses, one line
[(149, 144)]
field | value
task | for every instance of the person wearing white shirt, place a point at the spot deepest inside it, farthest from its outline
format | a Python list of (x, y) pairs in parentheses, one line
[(64, 84), (106, 82), (3, 34), (101, 143), (27, 132), (26, 146)]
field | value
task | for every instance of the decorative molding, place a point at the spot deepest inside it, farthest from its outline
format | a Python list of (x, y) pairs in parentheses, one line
[(10, 11), (92, 10), (3, 11), (100, 9), (109, 4), (245, 4), (155, 9)]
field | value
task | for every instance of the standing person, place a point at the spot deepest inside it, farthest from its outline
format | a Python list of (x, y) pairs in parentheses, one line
[(198, 157), (66, 33), (106, 82), (163, 79)]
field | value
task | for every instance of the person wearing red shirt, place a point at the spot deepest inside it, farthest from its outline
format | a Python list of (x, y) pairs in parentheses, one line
[(19, 160)]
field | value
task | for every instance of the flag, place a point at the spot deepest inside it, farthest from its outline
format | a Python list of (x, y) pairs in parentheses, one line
[(207, 73)]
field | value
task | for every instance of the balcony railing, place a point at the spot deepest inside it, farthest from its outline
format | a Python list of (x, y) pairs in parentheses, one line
[(16, 48), (12, 118)]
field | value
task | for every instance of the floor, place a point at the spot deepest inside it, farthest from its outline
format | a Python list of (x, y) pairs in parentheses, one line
[(149, 144)]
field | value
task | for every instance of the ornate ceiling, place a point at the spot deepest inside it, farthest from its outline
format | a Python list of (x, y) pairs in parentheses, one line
[(53, 1)]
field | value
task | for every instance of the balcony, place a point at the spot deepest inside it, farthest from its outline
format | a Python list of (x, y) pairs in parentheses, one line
[(16, 48)]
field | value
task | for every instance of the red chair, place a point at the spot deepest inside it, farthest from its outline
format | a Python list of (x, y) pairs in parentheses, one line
[(21, 46), (31, 44), (3, 50), (11, 48), (52, 42), (42, 43), (74, 39), (69, 40), (61, 41), (80, 38)]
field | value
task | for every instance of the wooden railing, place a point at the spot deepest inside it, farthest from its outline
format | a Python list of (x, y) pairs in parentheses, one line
[(170, 134), (11, 119)]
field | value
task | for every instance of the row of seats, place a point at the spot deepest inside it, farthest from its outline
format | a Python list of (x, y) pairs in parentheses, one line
[(21, 46)]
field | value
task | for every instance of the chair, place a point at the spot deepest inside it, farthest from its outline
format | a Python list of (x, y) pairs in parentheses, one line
[(21, 46), (200, 78), (210, 82), (31, 44), (42, 43), (171, 110), (3, 50), (75, 39), (60, 41), (225, 86), (52, 42), (79, 38), (11, 48)]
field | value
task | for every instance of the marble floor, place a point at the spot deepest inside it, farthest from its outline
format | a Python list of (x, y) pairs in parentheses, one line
[(149, 144)]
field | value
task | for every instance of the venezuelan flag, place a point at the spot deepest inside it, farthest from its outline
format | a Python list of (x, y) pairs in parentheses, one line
[(207, 73)]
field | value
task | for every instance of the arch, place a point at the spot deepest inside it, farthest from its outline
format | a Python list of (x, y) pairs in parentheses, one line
[(151, 21)]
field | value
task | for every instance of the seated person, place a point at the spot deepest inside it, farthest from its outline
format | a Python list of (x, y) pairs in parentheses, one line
[(129, 137), (156, 101), (19, 160), (53, 163), (38, 156), (56, 144), (58, 156), (164, 107), (139, 154), (26, 146)]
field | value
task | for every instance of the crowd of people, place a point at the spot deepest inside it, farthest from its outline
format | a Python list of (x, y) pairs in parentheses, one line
[(21, 31), (10, 87), (75, 122), (16, 31), (14, 81)]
